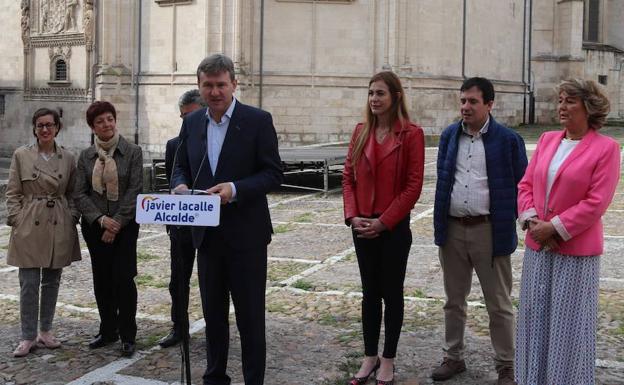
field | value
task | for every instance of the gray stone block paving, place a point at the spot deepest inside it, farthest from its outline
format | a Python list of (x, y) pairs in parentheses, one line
[(313, 321)]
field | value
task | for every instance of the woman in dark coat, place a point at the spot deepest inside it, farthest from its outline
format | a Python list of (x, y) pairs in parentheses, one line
[(108, 180)]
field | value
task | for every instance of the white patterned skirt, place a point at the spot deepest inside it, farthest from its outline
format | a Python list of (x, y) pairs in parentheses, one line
[(556, 327)]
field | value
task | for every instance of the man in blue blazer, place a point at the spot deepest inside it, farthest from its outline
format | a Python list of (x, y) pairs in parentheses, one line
[(480, 163), (230, 149)]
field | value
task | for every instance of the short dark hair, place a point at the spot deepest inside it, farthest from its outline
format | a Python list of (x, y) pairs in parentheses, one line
[(47, 111), (216, 64), (191, 97), (98, 108), (483, 84)]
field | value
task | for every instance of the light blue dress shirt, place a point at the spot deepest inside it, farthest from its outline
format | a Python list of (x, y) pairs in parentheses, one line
[(471, 193), (215, 136)]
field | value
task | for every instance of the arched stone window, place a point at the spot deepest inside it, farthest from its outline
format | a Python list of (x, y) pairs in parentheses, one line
[(60, 70)]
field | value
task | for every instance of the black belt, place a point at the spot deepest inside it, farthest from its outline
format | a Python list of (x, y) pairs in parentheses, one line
[(471, 221)]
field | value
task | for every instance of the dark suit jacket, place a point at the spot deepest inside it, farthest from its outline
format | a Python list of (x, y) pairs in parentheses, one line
[(170, 154), (170, 157), (249, 158), (129, 160)]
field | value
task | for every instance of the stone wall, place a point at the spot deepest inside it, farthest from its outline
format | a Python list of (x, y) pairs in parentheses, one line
[(75, 134), (614, 30), (317, 59), (609, 64)]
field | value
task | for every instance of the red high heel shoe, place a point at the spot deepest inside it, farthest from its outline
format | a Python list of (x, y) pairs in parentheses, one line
[(362, 380)]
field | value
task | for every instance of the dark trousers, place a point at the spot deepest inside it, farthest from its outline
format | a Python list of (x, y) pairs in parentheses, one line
[(182, 259), (382, 263), (114, 268), (224, 271)]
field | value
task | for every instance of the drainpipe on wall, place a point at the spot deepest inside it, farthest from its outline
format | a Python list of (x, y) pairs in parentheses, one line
[(95, 51), (136, 79), (464, 43), (621, 92), (524, 83), (261, 76), (531, 96)]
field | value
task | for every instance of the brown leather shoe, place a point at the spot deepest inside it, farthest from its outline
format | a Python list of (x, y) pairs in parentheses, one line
[(448, 369), (506, 377)]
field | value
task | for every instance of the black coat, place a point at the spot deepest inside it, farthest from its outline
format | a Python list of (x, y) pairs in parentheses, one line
[(249, 158)]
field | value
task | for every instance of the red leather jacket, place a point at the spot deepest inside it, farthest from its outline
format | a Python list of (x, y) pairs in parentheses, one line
[(358, 186)]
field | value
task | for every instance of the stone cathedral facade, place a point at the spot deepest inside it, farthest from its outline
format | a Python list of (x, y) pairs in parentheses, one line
[(306, 61)]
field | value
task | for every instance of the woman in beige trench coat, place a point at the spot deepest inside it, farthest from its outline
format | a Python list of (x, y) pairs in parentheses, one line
[(43, 221)]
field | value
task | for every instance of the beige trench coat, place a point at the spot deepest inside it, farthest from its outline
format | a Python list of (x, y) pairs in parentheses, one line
[(40, 209)]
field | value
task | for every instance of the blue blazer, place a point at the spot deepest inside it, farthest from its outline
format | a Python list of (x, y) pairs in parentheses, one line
[(249, 158), (506, 160)]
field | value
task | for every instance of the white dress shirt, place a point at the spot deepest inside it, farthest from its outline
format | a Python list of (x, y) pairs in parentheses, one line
[(215, 136)]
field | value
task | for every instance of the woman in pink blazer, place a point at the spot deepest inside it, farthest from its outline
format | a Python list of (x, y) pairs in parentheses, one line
[(567, 187)]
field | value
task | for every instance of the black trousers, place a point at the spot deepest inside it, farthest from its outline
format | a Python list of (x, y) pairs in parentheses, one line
[(225, 271), (382, 263), (182, 260), (114, 268)]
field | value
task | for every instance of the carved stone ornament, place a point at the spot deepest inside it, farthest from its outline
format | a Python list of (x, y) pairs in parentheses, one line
[(57, 16), (25, 22), (58, 27), (70, 14), (164, 3), (65, 52), (87, 23)]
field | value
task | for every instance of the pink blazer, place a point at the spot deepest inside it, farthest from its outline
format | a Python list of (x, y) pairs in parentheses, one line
[(583, 189)]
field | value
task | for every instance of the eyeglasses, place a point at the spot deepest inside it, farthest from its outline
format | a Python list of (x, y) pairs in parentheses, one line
[(47, 126)]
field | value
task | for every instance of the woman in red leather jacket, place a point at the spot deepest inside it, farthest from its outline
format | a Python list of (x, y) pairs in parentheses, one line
[(382, 180)]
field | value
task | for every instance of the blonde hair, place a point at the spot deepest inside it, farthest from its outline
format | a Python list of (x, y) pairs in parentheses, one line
[(398, 111), (593, 97)]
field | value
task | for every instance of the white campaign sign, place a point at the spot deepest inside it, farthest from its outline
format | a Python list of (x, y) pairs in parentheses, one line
[(182, 210)]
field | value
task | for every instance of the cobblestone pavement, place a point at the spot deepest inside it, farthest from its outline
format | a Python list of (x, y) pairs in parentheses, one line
[(313, 308)]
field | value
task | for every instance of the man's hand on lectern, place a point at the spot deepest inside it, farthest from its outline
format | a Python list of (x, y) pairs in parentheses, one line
[(224, 190), (180, 189)]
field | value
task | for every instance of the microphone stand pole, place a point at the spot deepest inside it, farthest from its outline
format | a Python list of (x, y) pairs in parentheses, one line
[(183, 298), (182, 316)]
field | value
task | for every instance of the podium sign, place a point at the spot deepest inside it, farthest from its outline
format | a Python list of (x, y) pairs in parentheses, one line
[(181, 210)]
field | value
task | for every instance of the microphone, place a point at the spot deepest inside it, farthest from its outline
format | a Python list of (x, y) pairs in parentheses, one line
[(182, 138), (204, 138), (199, 171)]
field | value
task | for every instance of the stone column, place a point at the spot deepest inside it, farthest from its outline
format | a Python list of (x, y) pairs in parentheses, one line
[(558, 52), (117, 34), (25, 25)]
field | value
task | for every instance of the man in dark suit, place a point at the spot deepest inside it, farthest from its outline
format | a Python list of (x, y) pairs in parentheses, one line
[(230, 149), (181, 248)]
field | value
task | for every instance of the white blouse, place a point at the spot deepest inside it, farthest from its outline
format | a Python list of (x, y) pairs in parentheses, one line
[(565, 149)]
